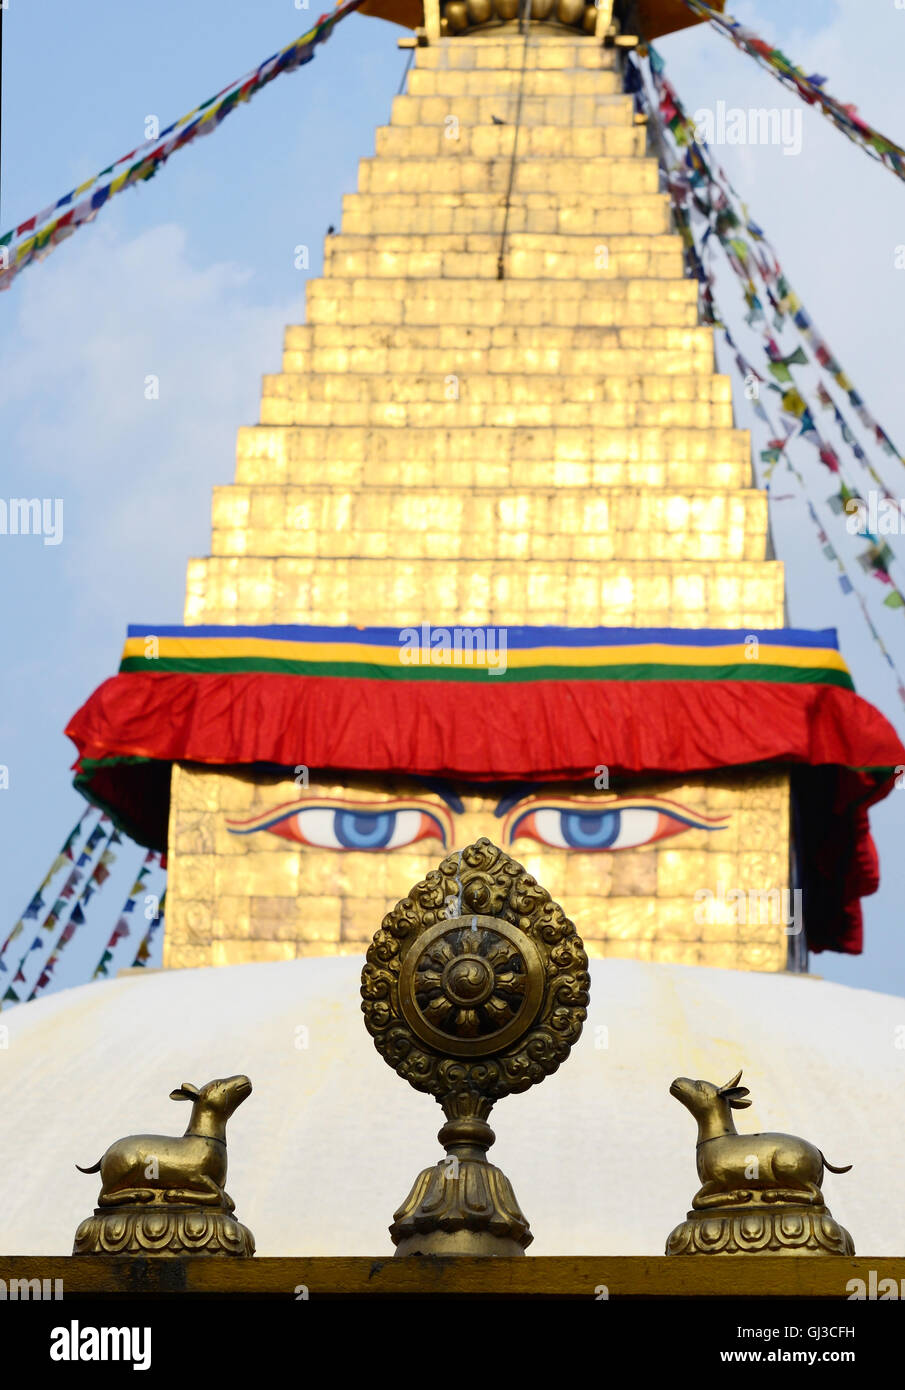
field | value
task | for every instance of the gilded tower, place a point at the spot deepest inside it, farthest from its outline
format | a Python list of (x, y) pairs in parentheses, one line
[(501, 409)]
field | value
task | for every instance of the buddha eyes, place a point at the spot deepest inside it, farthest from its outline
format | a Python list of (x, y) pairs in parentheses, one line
[(560, 823), (351, 825), (629, 825)]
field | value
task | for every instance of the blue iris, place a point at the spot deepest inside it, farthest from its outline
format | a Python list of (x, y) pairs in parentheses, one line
[(590, 829), (364, 830)]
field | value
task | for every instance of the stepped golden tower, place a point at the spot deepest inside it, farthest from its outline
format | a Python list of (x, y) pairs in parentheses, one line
[(501, 409)]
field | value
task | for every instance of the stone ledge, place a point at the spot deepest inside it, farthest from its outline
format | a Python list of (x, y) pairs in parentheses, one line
[(575, 1277)]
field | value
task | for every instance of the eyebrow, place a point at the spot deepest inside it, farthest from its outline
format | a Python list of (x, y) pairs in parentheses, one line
[(512, 798), (506, 802), (445, 791)]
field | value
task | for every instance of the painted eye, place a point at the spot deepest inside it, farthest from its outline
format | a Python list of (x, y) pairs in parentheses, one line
[(606, 827), (354, 829), (355, 826)]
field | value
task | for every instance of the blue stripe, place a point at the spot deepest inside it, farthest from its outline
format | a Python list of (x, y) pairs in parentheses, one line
[(517, 638)]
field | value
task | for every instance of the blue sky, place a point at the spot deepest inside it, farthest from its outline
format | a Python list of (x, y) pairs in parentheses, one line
[(191, 277)]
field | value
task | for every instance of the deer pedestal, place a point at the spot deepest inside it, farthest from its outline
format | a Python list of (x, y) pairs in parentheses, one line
[(753, 1228), (162, 1228)]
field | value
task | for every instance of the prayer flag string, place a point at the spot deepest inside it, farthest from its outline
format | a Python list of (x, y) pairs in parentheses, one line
[(143, 954), (96, 879), (810, 87), (733, 224), (65, 857), (98, 876), (693, 187), (31, 240), (122, 928)]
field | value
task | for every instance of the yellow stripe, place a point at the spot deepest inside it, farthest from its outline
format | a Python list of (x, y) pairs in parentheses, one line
[(732, 654)]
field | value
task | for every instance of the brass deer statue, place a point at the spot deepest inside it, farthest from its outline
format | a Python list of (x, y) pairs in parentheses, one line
[(190, 1169), (735, 1167)]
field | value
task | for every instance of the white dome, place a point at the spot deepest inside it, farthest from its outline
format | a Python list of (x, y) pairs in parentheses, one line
[(600, 1156)]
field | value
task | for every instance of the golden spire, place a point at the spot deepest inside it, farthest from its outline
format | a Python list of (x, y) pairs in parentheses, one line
[(553, 448)]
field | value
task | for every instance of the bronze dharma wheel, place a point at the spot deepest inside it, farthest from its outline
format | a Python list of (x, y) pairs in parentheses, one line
[(471, 985), (475, 987)]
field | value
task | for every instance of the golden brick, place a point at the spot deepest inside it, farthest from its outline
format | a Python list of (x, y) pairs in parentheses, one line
[(722, 956), (360, 918), (246, 952), (192, 839), (256, 875), (230, 919), (451, 84), (676, 920), (762, 870), (536, 109), (236, 792), (192, 789), (191, 875), (763, 956), (622, 950), (196, 923), (674, 953), (330, 948), (321, 919), (179, 957)]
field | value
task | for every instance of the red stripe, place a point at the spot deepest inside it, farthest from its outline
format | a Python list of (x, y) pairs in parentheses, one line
[(541, 728)]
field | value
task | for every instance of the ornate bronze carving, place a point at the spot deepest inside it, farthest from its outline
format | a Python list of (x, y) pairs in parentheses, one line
[(760, 1193), (471, 988), (162, 1230), (166, 1196), (475, 987), (787, 1231)]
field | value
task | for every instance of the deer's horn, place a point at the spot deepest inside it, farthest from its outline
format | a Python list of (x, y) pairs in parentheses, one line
[(730, 1084)]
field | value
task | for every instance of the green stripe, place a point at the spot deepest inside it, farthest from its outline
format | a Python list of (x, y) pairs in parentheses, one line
[(639, 671)]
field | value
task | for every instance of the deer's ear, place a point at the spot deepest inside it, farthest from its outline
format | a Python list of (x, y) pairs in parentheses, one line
[(725, 1089), (185, 1092), (736, 1097)]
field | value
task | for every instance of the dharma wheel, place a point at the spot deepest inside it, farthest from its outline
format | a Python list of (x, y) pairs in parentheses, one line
[(475, 987)]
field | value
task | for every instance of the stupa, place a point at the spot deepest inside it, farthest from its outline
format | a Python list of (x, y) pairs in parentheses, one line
[(500, 426), (492, 565)]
